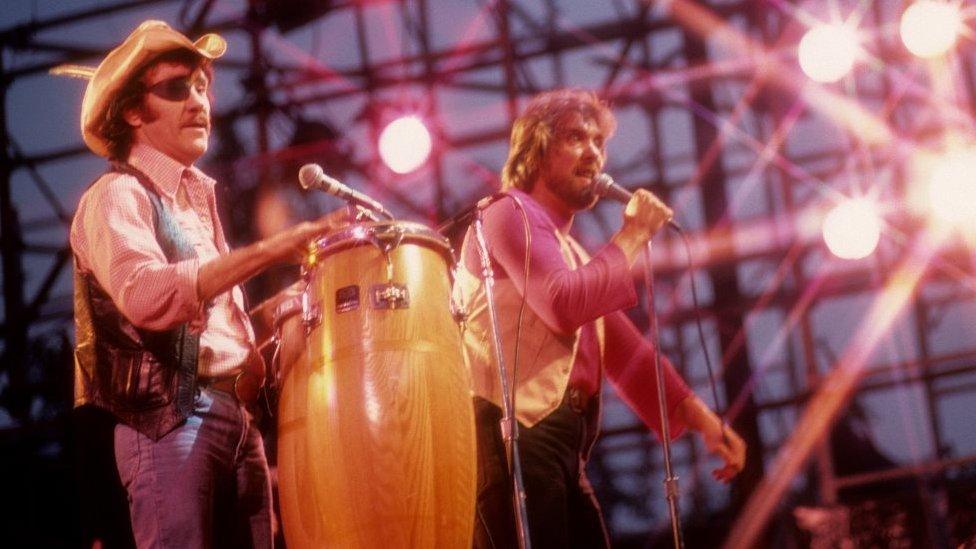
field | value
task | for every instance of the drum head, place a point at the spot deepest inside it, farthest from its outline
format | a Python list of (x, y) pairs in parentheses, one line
[(385, 235)]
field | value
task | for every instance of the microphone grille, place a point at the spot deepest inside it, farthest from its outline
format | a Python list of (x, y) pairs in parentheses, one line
[(601, 184), (309, 175)]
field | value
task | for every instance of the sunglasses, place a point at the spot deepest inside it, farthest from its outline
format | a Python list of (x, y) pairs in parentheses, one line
[(177, 88)]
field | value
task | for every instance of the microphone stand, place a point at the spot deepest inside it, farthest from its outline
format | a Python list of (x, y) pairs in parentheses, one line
[(670, 480), (508, 423)]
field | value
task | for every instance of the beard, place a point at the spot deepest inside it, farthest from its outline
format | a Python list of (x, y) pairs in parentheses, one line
[(575, 196)]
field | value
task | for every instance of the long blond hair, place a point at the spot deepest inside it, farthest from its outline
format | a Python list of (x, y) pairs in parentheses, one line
[(534, 129)]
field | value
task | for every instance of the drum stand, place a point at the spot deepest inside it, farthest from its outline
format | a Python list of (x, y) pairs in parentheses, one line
[(670, 480), (508, 424)]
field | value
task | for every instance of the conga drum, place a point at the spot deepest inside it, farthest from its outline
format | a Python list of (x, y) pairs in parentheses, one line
[(376, 445)]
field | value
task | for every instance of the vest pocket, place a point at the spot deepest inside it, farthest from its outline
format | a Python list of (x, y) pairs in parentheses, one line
[(139, 381)]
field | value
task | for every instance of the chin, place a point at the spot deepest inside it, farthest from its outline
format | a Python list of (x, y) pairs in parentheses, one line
[(197, 150), (582, 199), (585, 202)]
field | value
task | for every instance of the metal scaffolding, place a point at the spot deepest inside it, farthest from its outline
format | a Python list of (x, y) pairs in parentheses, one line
[(716, 118)]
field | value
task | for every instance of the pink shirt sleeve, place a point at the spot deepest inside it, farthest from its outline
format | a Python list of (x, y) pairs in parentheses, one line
[(563, 297), (629, 363), (113, 237)]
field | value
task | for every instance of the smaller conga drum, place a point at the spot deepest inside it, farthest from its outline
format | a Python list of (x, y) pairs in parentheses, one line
[(376, 445)]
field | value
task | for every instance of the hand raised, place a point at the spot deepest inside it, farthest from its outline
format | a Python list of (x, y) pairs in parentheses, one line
[(646, 213), (643, 216)]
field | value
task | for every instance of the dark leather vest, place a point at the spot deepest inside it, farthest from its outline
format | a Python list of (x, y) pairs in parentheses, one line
[(146, 378)]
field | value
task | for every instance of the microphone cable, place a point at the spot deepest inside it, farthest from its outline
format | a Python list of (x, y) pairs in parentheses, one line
[(701, 332), (526, 262)]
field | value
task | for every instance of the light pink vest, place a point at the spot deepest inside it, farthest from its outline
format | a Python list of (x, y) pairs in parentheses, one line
[(545, 357)]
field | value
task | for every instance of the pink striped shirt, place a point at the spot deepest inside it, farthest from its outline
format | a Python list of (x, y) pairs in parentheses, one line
[(112, 236)]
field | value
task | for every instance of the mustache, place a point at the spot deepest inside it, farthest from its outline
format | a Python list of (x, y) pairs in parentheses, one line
[(198, 121)]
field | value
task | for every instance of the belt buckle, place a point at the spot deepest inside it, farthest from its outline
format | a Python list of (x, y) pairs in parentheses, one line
[(246, 387)]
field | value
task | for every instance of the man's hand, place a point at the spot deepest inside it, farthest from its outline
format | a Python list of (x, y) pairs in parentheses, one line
[(720, 440), (645, 212), (224, 272), (728, 446), (292, 243), (644, 216)]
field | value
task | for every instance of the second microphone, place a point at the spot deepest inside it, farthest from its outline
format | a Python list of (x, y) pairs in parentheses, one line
[(311, 176)]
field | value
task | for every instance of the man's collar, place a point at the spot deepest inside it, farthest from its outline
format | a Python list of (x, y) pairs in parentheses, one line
[(164, 171), (559, 222)]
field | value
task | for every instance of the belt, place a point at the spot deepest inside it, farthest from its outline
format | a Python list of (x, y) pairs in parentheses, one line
[(578, 400), (226, 384)]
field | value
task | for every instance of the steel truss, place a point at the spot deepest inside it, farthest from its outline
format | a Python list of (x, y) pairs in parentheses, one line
[(718, 123)]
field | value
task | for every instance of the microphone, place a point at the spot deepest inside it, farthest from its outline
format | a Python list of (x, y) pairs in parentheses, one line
[(311, 176), (465, 215), (604, 187)]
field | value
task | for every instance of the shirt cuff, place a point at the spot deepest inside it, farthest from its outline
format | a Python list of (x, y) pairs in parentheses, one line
[(675, 427), (620, 277), (187, 273)]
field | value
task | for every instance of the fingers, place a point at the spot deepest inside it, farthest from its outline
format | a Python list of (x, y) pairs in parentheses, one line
[(731, 449), (725, 453), (732, 466), (725, 474), (330, 222), (298, 237), (738, 449), (647, 210)]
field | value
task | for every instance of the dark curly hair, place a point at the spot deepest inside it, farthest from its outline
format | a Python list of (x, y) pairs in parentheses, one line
[(114, 128)]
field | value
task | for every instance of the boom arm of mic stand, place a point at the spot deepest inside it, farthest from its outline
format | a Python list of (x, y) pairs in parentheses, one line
[(670, 480), (508, 424)]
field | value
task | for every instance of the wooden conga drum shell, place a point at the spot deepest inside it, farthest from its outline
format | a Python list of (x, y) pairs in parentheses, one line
[(376, 437)]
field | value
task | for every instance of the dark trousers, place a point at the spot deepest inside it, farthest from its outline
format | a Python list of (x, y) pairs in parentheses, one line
[(561, 507)]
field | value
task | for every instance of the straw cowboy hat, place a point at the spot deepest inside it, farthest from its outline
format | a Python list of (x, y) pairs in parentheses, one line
[(150, 39)]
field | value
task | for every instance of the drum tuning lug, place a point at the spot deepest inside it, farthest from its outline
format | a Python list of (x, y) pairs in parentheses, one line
[(390, 296), (311, 317), (459, 313)]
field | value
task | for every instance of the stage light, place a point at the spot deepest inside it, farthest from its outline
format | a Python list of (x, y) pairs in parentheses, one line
[(405, 144), (827, 52), (851, 230), (952, 189), (929, 28)]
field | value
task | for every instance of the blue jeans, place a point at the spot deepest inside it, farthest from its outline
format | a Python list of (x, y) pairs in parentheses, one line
[(205, 484)]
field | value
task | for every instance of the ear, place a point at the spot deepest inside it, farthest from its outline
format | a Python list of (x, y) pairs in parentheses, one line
[(133, 117)]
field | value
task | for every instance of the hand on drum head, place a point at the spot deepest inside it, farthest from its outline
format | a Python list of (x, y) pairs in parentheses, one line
[(293, 242), (225, 271)]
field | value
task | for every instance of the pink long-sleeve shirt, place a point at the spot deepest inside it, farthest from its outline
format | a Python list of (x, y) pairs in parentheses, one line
[(567, 299), (112, 236)]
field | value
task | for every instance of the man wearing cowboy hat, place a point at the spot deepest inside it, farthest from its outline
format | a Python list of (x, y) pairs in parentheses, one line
[(164, 342)]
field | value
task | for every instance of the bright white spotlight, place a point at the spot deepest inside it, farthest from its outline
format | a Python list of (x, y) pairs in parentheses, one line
[(405, 144), (929, 28), (852, 229), (827, 52), (952, 188)]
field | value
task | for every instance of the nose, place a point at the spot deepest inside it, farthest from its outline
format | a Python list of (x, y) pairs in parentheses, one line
[(593, 150), (198, 99)]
